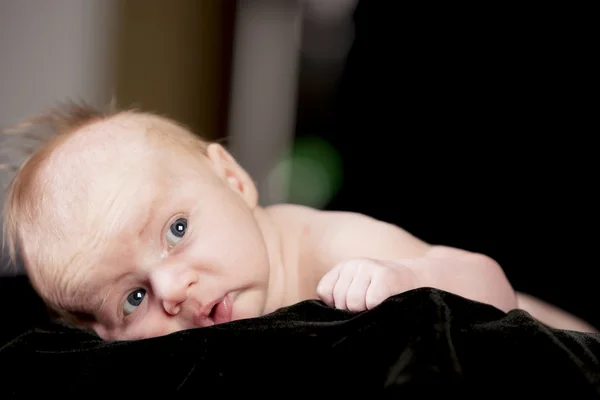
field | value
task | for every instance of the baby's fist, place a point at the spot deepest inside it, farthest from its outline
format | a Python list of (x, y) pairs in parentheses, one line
[(361, 284)]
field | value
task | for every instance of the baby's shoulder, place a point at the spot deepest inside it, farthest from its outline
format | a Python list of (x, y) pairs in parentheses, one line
[(317, 227), (309, 216), (291, 210)]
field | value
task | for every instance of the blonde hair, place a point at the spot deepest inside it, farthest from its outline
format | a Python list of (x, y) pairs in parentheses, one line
[(47, 130), (50, 129)]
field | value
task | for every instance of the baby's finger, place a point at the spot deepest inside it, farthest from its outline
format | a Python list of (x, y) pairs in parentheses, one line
[(357, 292), (380, 289), (342, 284), (375, 296), (326, 285)]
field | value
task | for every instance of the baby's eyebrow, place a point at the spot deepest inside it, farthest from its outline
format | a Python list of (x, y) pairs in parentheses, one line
[(147, 217), (146, 223)]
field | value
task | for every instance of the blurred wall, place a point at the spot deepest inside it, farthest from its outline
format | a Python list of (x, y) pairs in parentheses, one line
[(173, 58), (263, 95), (54, 50), (287, 58)]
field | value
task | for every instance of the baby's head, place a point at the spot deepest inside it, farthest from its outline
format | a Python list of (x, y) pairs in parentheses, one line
[(133, 227)]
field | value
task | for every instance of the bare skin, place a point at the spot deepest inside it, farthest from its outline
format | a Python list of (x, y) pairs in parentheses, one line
[(166, 239)]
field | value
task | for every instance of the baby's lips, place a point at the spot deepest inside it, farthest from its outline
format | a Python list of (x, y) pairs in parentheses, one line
[(223, 311)]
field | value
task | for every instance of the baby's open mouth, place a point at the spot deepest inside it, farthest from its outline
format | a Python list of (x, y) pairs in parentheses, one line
[(211, 314), (219, 313)]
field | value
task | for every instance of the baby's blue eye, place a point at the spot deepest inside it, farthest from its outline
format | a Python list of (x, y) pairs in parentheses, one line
[(176, 231), (134, 299)]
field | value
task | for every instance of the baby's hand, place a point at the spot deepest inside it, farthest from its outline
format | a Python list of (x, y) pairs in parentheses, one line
[(361, 284)]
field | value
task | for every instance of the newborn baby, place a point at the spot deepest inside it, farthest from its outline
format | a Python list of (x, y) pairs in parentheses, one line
[(131, 226)]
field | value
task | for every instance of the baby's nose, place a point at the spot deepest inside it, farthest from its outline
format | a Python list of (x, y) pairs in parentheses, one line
[(172, 307), (171, 285)]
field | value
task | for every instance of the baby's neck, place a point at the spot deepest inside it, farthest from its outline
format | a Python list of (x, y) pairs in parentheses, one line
[(282, 236)]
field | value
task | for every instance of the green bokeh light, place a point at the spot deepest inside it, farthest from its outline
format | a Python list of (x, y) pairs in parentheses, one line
[(315, 172)]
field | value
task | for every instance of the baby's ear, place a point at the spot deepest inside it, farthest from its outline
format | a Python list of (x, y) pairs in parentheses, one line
[(229, 170)]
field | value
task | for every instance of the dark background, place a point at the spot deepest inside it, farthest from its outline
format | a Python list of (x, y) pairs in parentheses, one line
[(473, 128)]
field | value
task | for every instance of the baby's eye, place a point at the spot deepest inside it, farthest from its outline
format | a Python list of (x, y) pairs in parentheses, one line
[(134, 299), (176, 231)]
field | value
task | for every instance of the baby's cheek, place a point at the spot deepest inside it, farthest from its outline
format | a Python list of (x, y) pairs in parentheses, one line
[(104, 333), (151, 327), (142, 328)]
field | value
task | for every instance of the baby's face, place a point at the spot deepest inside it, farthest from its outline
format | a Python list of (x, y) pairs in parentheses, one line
[(165, 244)]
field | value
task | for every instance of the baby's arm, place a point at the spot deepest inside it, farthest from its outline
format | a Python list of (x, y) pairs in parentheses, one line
[(349, 236)]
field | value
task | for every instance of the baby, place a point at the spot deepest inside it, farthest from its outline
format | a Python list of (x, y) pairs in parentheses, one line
[(132, 227)]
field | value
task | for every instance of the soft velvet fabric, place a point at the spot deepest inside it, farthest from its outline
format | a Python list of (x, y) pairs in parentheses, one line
[(420, 342)]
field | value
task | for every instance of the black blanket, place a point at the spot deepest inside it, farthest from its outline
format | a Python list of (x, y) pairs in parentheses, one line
[(421, 342)]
